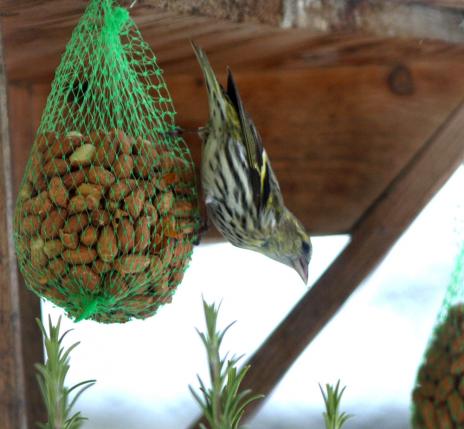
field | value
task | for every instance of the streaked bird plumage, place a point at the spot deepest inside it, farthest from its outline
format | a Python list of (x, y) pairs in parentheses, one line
[(242, 195)]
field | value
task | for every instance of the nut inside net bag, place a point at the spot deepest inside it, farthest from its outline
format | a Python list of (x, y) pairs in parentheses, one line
[(107, 211), (438, 397)]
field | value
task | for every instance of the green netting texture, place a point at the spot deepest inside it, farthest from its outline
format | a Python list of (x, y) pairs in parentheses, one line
[(438, 398), (108, 208)]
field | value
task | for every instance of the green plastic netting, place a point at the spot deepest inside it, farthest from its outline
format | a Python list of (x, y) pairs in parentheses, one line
[(107, 210), (438, 398)]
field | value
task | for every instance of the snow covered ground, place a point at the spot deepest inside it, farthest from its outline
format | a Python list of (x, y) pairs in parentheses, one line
[(374, 344)]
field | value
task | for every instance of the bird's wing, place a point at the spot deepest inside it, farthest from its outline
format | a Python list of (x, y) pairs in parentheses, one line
[(258, 161)]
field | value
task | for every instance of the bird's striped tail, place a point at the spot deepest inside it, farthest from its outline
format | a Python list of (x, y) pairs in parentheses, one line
[(215, 91)]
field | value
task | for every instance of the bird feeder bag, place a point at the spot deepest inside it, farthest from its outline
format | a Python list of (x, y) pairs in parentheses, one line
[(439, 393), (107, 210)]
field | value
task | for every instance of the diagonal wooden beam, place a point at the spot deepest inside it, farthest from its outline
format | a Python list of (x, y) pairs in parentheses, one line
[(372, 238)]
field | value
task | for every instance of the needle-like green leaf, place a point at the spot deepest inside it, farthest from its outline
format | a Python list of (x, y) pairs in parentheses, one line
[(224, 404), (51, 379), (333, 418)]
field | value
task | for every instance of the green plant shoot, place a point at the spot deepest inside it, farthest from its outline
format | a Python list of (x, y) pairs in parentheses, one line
[(51, 377), (223, 404), (333, 418)]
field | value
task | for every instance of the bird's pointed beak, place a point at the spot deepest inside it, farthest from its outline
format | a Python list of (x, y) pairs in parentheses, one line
[(301, 267)]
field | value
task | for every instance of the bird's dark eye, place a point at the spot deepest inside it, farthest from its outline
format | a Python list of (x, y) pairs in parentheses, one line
[(306, 248)]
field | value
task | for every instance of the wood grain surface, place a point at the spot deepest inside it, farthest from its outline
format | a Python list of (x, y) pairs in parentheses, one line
[(12, 387), (337, 130), (36, 31), (22, 131)]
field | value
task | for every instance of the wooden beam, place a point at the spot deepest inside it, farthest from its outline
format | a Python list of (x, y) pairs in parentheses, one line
[(371, 239), (12, 389), (36, 32), (337, 135), (324, 15), (22, 129), (431, 19), (263, 11)]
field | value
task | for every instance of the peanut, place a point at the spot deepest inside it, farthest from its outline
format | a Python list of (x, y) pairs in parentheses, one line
[(146, 149), (25, 192), (76, 223), (83, 156), (96, 137), (57, 266), (65, 145), (123, 166), (100, 218), (31, 224), (134, 203), (166, 201), (44, 141), (89, 236), (101, 267), (143, 167), (69, 239), (150, 211), (126, 236), (100, 176), (107, 246), (81, 255), (87, 189), (118, 191), (58, 192), (38, 257), (53, 223), (85, 277), (39, 205), (75, 179), (77, 204), (142, 234), (56, 167), (122, 141), (182, 208), (105, 153), (53, 248), (132, 264)]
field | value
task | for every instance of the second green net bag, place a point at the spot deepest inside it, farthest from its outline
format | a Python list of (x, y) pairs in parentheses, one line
[(107, 211), (438, 397)]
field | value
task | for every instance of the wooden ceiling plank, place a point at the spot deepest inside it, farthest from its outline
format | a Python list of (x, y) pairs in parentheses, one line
[(346, 131), (167, 40), (343, 139), (252, 50), (178, 56), (32, 38)]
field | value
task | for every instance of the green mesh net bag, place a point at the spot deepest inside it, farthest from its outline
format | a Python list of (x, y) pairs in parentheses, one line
[(107, 211), (438, 398)]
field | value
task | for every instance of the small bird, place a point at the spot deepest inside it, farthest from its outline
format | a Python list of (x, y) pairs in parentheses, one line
[(242, 195)]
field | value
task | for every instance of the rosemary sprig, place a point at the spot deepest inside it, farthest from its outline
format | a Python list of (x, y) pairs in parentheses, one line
[(223, 404), (332, 397), (51, 378)]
